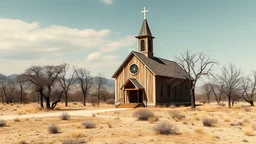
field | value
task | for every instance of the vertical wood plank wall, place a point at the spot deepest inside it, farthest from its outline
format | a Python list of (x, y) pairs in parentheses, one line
[(124, 74)]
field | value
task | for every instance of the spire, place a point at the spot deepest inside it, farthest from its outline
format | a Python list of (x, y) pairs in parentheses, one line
[(145, 38), (145, 31)]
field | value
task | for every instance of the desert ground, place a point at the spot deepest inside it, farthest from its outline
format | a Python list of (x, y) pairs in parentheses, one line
[(230, 125)]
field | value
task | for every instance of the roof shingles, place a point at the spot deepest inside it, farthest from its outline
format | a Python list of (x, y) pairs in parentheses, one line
[(161, 67)]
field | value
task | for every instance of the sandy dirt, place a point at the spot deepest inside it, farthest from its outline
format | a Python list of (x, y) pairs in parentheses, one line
[(120, 127)]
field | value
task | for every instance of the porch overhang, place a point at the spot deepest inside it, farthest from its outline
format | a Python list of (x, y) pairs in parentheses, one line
[(132, 84)]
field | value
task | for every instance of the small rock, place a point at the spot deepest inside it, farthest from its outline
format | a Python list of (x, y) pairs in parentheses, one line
[(245, 140)]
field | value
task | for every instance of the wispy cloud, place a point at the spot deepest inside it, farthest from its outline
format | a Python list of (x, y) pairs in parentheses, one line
[(28, 43), (115, 45), (22, 37), (107, 1)]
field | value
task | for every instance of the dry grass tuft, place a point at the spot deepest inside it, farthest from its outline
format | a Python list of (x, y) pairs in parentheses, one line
[(209, 122), (88, 124), (74, 141), (65, 116), (76, 134), (110, 101), (226, 119), (143, 114), (153, 119), (53, 129), (176, 115), (198, 130), (248, 131), (221, 104), (17, 120), (246, 109), (165, 128), (2, 123), (22, 142)]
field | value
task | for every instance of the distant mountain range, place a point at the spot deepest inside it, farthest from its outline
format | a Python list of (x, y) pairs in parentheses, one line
[(110, 84)]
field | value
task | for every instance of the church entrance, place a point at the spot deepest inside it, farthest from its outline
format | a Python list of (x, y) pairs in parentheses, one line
[(135, 96), (133, 91)]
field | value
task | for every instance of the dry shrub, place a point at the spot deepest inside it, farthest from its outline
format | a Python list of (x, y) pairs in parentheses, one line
[(226, 119), (143, 114), (176, 115), (92, 99), (22, 142), (74, 141), (172, 106), (254, 127), (246, 109), (109, 125), (17, 120), (65, 116), (53, 129), (88, 124), (198, 130), (248, 131), (76, 134), (110, 101), (2, 123), (153, 119), (165, 128), (221, 104), (209, 122)]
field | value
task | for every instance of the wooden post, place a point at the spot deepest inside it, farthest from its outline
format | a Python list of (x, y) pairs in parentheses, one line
[(137, 96), (124, 95)]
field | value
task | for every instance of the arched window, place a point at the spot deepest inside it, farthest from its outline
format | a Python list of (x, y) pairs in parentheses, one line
[(142, 45)]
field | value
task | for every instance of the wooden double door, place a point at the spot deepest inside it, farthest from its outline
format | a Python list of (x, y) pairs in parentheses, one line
[(135, 96)]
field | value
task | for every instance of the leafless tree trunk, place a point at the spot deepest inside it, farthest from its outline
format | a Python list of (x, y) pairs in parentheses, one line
[(43, 80), (217, 89), (249, 84), (207, 91), (21, 80), (101, 80), (66, 83), (85, 81), (195, 66), (231, 79)]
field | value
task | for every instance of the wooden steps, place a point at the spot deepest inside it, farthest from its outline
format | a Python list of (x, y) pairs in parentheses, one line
[(130, 105)]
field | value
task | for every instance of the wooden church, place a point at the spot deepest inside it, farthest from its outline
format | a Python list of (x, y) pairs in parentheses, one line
[(146, 80)]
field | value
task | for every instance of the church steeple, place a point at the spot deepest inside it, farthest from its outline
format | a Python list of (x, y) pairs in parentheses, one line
[(145, 38)]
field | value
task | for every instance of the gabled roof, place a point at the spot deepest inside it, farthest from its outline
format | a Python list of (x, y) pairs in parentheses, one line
[(145, 31), (158, 66), (135, 83)]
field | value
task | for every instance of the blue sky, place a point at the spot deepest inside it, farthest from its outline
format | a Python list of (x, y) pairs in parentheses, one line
[(98, 34)]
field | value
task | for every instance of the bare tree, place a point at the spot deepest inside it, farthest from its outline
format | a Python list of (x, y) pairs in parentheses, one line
[(85, 81), (65, 83), (12, 91), (248, 88), (231, 78), (35, 77), (100, 81), (21, 81), (195, 66), (3, 88), (207, 91), (43, 79), (217, 89)]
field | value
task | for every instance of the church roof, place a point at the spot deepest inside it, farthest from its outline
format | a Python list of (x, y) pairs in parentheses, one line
[(145, 31), (134, 82), (158, 66)]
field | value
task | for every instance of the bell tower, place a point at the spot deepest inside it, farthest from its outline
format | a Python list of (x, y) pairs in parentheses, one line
[(145, 38)]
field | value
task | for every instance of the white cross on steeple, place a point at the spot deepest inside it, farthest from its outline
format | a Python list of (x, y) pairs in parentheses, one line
[(145, 11)]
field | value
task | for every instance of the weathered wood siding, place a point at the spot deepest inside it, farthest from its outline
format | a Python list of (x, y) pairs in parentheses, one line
[(181, 96), (145, 77)]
